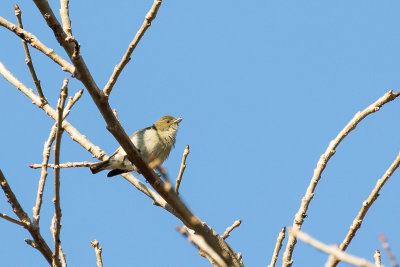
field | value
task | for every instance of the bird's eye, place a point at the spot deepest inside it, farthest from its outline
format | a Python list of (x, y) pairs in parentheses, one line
[(168, 121)]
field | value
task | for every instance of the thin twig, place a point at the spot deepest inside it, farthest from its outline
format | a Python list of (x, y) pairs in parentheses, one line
[(83, 141), (330, 151), (57, 208), (39, 243), (228, 230), (73, 132), (34, 42), (116, 129), (46, 155), (182, 169), (64, 14), (71, 102), (63, 258), (388, 251), (150, 16), (12, 199), (43, 175), (98, 250), (8, 218), (64, 165), (333, 250), (278, 247), (364, 209), (204, 249), (28, 59), (377, 257)]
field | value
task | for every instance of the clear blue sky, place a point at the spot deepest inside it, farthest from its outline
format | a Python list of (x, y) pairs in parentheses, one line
[(263, 86)]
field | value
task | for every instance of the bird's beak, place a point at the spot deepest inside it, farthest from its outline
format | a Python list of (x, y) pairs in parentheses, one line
[(178, 120)]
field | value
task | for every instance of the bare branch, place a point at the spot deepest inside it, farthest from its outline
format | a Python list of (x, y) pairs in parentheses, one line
[(333, 250), (38, 242), (150, 16), (182, 169), (71, 102), (98, 251), (34, 42), (57, 208), (12, 199), (64, 13), (46, 155), (43, 175), (204, 249), (113, 125), (330, 151), (73, 132), (377, 257), (64, 165), (364, 209), (28, 59), (84, 142), (228, 230), (278, 247), (62, 257), (389, 252), (4, 216)]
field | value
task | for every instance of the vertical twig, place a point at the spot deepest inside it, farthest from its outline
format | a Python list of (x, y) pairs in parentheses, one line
[(43, 175), (323, 161), (57, 208), (46, 155), (364, 209), (98, 251), (278, 247), (182, 169), (28, 59), (377, 257), (64, 14)]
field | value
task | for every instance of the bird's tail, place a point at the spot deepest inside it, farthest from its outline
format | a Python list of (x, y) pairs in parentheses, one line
[(98, 167)]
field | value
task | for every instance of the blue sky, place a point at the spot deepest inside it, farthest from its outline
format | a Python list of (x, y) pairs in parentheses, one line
[(262, 86)]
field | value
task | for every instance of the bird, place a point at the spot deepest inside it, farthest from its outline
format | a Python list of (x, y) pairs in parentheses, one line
[(153, 143)]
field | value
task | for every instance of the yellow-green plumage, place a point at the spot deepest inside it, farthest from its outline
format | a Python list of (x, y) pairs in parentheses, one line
[(154, 142)]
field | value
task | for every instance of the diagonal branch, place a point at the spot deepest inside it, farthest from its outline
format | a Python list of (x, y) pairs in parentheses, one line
[(28, 59), (8, 218), (364, 209), (83, 141), (204, 249), (116, 129), (34, 42), (330, 151), (278, 247), (39, 243), (389, 252), (150, 16), (228, 230), (333, 250)]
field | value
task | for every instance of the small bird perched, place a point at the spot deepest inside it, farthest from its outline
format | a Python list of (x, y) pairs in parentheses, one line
[(153, 143)]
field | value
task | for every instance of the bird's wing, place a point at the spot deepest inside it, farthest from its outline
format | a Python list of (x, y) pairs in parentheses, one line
[(137, 133)]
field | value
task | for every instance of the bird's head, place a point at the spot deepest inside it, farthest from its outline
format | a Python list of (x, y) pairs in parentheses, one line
[(167, 123)]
